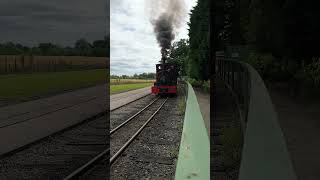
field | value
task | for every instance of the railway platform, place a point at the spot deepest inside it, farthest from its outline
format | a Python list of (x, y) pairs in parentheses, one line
[(118, 100), (24, 123), (204, 104)]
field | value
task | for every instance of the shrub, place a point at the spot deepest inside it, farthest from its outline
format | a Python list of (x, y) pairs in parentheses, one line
[(182, 106), (232, 146), (194, 82), (206, 86), (261, 62), (311, 72), (271, 68)]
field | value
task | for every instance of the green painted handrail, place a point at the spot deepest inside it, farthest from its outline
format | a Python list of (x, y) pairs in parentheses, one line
[(264, 155), (194, 153)]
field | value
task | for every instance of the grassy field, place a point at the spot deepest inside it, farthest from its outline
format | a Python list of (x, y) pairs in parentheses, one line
[(127, 87), (130, 81), (26, 86)]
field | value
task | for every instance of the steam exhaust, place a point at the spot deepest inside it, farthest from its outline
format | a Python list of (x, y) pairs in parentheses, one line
[(166, 16)]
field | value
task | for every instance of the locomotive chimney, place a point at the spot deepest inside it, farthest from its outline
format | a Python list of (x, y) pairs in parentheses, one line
[(163, 59)]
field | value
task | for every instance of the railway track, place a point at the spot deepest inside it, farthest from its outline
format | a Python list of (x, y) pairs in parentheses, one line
[(94, 167), (56, 156), (120, 139), (82, 149)]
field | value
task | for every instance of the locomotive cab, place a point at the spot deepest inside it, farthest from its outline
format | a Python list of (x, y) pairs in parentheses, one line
[(166, 79)]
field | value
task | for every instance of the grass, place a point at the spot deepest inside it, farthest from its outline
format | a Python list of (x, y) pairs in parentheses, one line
[(130, 81), (127, 87), (232, 146), (182, 106), (25, 86), (174, 152)]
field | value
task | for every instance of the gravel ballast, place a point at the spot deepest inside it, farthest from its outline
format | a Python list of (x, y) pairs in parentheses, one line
[(153, 154)]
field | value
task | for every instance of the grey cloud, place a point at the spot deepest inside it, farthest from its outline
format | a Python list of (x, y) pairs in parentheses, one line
[(33, 21)]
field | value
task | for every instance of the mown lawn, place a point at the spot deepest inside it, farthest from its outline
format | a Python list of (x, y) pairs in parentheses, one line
[(130, 81), (127, 87), (25, 86)]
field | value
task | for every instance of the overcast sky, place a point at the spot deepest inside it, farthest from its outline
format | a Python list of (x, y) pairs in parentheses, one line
[(59, 21), (134, 48)]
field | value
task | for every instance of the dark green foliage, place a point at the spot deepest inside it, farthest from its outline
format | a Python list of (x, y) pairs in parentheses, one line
[(198, 33), (194, 82), (191, 56), (178, 54), (206, 86), (284, 28), (99, 48), (283, 35)]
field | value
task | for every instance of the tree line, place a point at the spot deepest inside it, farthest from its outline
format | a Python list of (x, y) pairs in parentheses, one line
[(98, 48), (135, 76)]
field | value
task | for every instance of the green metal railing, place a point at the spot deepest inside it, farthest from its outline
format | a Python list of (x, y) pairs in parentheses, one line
[(194, 153), (264, 153)]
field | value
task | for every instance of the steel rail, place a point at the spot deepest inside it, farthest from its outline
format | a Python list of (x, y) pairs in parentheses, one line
[(128, 102), (83, 169), (133, 116), (80, 171), (116, 155)]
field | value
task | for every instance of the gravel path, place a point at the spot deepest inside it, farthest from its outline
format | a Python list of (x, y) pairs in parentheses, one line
[(204, 103), (153, 154)]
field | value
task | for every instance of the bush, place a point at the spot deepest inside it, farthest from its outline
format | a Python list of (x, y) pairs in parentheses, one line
[(194, 82), (182, 106), (270, 68), (232, 146), (261, 62), (206, 86), (311, 72)]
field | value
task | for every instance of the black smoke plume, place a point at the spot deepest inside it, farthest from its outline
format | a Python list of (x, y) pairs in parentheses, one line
[(166, 17)]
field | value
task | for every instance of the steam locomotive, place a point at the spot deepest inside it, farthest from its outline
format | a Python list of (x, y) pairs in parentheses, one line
[(166, 79)]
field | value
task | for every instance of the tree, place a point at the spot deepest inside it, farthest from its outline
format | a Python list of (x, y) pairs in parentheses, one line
[(178, 54), (83, 47), (99, 48), (198, 42)]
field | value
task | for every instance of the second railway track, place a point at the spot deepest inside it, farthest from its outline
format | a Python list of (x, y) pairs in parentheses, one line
[(96, 168), (83, 151), (56, 156)]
